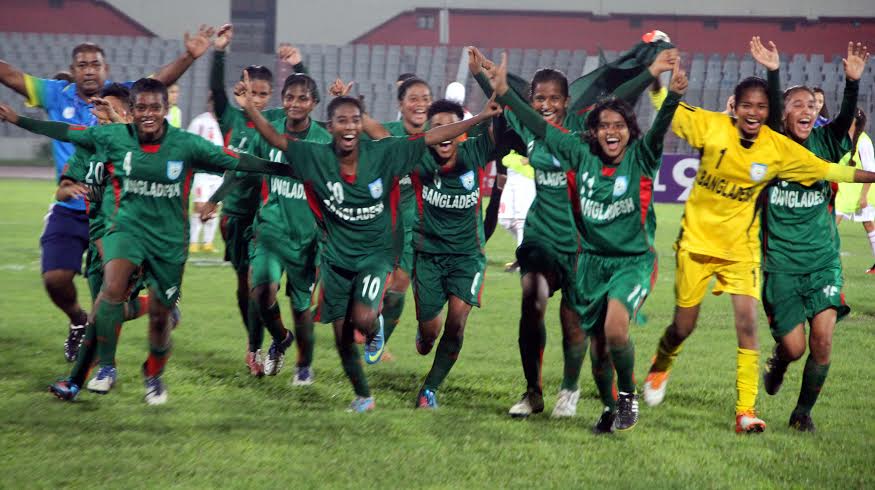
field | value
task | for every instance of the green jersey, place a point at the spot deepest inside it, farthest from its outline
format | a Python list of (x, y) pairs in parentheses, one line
[(549, 219), (286, 209), (87, 168), (448, 202), (614, 206), (798, 232), (239, 132), (150, 183), (408, 198), (358, 212)]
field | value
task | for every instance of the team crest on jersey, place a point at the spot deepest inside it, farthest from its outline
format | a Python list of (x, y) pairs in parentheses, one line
[(621, 185), (376, 188), (69, 112), (437, 181), (174, 169), (467, 180), (758, 171)]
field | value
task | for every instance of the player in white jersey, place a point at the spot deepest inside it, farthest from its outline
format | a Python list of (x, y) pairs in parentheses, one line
[(516, 199), (205, 184)]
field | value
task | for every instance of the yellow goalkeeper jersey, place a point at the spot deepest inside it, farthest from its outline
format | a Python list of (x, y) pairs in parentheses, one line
[(720, 217)]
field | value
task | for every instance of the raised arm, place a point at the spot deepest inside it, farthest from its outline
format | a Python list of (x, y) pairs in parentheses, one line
[(855, 65), (655, 136), (79, 135), (12, 77), (633, 88), (771, 61), (217, 70), (195, 47)]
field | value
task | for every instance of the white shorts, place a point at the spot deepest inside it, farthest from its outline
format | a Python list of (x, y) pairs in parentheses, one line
[(517, 196), (863, 215), (204, 186)]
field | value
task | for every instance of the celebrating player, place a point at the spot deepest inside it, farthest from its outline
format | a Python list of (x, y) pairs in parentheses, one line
[(151, 171), (854, 201), (739, 158), (802, 269), (352, 187), (65, 237), (613, 171), (449, 264)]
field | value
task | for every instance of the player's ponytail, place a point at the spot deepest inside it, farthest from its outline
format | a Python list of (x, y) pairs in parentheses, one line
[(859, 126)]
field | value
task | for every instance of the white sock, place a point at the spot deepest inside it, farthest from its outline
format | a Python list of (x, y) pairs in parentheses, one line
[(195, 226), (210, 230), (872, 241)]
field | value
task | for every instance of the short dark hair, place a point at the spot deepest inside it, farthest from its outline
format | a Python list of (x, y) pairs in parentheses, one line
[(405, 86), (64, 75), (88, 48), (444, 105), (823, 110), (619, 106), (343, 100), (148, 85), (116, 90), (301, 79), (405, 76), (545, 75), (258, 72), (749, 84)]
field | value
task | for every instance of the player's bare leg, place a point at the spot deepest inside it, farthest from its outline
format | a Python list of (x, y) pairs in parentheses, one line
[(62, 291), (532, 338)]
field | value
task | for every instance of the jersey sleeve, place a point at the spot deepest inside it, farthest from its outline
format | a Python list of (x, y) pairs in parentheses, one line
[(476, 150), (652, 144), (400, 154), (76, 168), (691, 123), (210, 157), (568, 147), (800, 165), (42, 92)]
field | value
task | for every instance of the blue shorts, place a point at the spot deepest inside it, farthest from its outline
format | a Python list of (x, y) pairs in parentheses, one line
[(64, 240)]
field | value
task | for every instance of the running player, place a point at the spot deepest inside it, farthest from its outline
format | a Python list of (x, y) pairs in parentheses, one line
[(739, 158), (285, 235), (150, 170), (414, 98), (449, 263), (854, 201), (65, 237), (549, 253), (802, 269), (352, 188), (612, 172), (244, 198), (204, 184)]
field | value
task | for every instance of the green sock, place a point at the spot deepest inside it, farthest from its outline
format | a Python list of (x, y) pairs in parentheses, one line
[(393, 306), (447, 352), (623, 358), (254, 327), (306, 339), (85, 357), (573, 354), (273, 321), (136, 308), (107, 323), (532, 342), (352, 366), (603, 374), (813, 378)]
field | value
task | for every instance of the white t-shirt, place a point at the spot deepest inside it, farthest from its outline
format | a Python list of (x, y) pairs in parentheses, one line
[(206, 126)]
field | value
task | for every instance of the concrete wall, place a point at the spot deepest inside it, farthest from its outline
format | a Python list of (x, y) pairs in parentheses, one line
[(170, 19), (303, 21)]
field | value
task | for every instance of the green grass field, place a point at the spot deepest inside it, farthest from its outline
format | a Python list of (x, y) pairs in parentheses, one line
[(222, 428)]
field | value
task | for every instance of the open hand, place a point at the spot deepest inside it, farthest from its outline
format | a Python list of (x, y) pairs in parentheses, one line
[(223, 37), (663, 62), (7, 113), (198, 44), (208, 211), (768, 57), (855, 63)]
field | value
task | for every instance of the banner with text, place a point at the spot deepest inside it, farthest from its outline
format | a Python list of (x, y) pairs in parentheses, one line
[(675, 179)]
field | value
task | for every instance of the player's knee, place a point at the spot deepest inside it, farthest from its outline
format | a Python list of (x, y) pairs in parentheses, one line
[(617, 338), (57, 279), (821, 348), (793, 351)]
